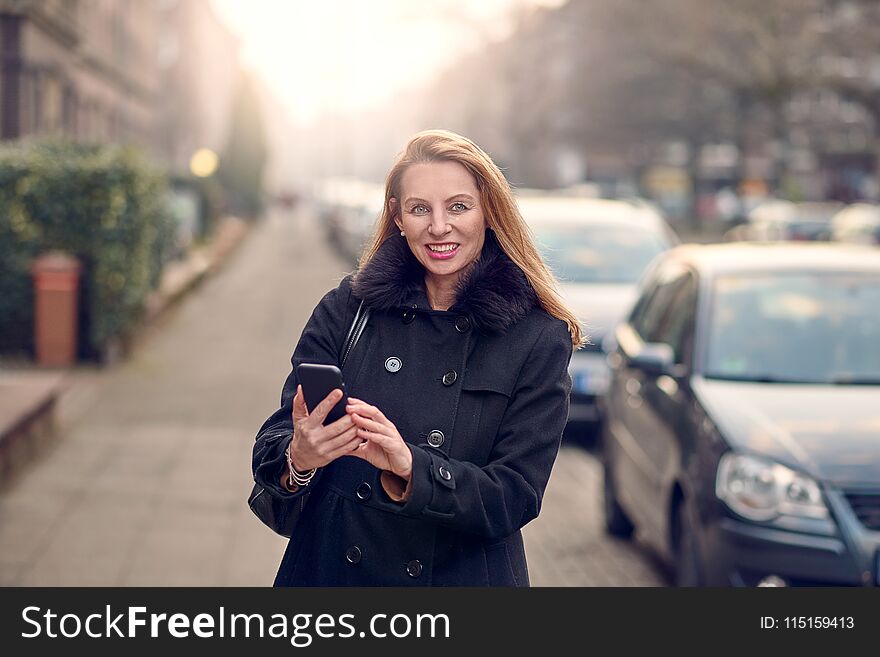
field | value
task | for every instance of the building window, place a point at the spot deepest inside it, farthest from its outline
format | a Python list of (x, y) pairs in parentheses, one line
[(52, 104), (69, 112)]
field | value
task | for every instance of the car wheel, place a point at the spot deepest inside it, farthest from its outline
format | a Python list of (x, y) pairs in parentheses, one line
[(617, 523), (688, 570)]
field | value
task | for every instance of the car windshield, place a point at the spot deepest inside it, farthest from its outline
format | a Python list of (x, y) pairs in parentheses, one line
[(813, 215), (796, 327), (598, 253), (807, 229)]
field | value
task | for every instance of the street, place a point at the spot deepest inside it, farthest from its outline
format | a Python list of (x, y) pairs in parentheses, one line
[(147, 486)]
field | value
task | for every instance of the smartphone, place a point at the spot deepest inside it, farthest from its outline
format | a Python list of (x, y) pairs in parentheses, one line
[(317, 382)]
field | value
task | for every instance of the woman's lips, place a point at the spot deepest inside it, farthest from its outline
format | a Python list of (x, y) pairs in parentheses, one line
[(442, 255)]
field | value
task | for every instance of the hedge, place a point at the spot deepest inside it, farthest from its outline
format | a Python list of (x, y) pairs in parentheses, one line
[(106, 205)]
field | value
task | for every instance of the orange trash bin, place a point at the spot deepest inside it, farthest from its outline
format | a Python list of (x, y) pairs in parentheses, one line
[(56, 286)]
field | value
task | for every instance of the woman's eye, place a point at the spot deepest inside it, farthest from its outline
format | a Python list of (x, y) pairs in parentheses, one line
[(418, 209), (459, 207)]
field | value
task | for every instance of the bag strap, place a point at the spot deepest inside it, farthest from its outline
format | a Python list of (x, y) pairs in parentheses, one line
[(354, 333)]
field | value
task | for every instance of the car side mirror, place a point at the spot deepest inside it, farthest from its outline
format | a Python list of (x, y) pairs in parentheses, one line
[(654, 358)]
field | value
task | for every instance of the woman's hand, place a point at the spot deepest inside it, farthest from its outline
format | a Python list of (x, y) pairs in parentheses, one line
[(383, 446), (315, 445)]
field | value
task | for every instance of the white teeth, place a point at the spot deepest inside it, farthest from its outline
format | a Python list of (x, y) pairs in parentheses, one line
[(442, 249)]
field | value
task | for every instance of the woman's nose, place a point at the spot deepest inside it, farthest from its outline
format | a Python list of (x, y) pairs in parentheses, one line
[(439, 225)]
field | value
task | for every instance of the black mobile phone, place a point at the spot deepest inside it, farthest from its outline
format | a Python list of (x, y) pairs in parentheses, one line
[(317, 382)]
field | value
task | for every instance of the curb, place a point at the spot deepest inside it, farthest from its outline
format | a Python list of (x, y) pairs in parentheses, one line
[(27, 418), (181, 277)]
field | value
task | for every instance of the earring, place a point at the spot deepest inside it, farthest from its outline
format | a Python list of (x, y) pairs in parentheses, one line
[(402, 233)]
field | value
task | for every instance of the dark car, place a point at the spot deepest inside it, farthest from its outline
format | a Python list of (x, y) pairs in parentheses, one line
[(743, 417)]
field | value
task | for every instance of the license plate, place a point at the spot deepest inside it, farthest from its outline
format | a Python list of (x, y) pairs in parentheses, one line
[(589, 375)]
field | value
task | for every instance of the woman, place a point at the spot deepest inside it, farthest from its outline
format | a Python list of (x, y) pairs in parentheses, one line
[(458, 390)]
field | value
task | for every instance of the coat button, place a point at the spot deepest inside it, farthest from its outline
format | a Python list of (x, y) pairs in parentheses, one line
[(445, 474), (436, 438), (462, 324), (364, 490), (353, 554), (414, 568), (450, 377), (408, 316), (393, 364)]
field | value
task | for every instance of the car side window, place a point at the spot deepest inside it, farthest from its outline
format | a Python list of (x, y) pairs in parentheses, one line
[(676, 326), (651, 308)]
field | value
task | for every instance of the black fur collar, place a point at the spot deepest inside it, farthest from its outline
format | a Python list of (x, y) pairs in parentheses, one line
[(494, 294)]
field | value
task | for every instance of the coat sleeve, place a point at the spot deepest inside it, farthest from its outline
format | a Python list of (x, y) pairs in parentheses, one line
[(320, 342), (499, 498)]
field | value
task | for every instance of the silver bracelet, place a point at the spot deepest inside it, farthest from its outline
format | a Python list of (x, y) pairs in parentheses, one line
[(294, 477)]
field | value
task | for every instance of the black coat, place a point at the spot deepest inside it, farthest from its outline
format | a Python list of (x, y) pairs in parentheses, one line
[(481, 396)]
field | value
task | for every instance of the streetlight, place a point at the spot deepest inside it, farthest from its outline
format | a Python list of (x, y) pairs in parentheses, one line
[(203, 163)]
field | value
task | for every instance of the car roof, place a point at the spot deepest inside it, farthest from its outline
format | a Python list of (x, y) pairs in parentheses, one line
[(541, 210), (782, 210), (746, 257), (350, 192), (858, 213)]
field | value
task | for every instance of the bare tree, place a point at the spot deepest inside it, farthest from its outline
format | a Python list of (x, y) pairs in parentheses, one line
[(621, 79)]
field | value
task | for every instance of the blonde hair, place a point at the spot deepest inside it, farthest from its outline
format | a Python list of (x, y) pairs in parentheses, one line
[(499, 209)]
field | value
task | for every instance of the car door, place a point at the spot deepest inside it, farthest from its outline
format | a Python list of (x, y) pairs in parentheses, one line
[(665, 400), (643, 412)]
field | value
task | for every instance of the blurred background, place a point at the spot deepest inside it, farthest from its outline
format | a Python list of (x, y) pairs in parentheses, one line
[(182, 180)]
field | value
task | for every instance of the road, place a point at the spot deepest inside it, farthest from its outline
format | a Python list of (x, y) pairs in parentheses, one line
[(147, 486)]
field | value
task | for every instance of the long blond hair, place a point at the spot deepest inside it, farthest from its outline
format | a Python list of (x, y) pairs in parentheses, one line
[(499, 209)]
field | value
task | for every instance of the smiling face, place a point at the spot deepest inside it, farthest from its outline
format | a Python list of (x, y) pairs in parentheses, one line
[(441, 215)]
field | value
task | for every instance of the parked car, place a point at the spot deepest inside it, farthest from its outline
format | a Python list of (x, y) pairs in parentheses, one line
[(743, 415), (776, 220), (360, 221), (348, 209), (858, 223), (598, 248)]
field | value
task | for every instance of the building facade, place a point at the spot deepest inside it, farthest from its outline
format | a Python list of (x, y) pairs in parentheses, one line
[(156, 73), (199, 70), (81, 69)]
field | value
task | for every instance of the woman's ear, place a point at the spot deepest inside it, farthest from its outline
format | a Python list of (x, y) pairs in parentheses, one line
[(394, 212)]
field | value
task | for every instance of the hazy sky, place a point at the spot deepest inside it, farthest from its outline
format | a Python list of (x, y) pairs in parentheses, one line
[(345, 55)]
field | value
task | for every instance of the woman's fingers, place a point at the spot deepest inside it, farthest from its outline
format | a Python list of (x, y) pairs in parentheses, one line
[(322, 410), (360, 409), (334, 443), (300, 412), (358, 452), (312, 424), (370, 412), (380, 439), (349, 447), (367, 408), (367, 423), (337, 427)]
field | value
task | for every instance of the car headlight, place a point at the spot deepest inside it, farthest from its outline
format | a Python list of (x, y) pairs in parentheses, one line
[(760, 489)]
